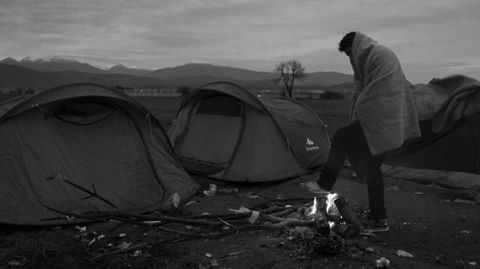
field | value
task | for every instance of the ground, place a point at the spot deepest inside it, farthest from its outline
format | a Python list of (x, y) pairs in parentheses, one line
[(439, 227)]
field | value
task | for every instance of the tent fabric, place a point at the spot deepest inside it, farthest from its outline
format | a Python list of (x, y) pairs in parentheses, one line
[(384, 104), (450, 144), (49, 156), (257, 139)]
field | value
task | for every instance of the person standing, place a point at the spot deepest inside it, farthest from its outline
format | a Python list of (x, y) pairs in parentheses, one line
[(383, 118)]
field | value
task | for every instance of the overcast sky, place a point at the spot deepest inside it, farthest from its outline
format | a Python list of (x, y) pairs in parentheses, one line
[(432, 38)]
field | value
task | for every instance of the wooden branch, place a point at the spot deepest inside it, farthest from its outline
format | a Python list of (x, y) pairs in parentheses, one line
[(92, 194)]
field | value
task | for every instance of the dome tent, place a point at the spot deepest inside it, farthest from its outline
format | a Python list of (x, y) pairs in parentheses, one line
[(61, 145), (225, 132)]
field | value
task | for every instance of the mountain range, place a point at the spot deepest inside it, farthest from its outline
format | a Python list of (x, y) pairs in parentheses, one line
[(44, 74)]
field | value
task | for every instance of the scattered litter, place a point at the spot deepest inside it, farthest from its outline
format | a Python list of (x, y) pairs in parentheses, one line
[(122, 235), (464, 231), (242, 209), (124, 245), (92, 241), (100, 236), (369, 249), (464, 201), (254, 216), (419, 193), (382, 262), (81, 229), (252, 196), (137, 253), (175, 199), (472, 263), (14, 263), (188, 227), (208, 255), (212, 189), (206, 214), (402, 253)]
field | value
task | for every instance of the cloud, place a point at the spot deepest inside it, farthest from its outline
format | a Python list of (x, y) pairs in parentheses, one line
[(426, 35)]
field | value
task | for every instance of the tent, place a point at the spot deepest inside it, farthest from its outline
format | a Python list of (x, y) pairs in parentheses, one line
[(448, 153), (226, 132), (81, 148)]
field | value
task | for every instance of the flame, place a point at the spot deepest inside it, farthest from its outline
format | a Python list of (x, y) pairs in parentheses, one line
[(314, 208), (331, 207)]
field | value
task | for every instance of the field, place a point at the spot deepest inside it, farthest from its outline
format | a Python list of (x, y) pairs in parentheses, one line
[(437, 226)]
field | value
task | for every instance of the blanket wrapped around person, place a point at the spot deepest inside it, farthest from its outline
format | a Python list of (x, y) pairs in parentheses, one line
[(383, 99)]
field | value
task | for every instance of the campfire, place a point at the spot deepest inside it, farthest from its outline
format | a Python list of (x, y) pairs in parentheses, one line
[(332, 211)]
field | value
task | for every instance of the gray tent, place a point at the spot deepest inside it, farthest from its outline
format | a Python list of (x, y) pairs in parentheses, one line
[(61, 145), (225, 132), (448, 153)]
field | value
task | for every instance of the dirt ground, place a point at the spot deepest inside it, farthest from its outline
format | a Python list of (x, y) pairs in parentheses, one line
[(439, 227)]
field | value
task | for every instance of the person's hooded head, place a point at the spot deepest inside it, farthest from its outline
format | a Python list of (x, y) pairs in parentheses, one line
[(360, 47)]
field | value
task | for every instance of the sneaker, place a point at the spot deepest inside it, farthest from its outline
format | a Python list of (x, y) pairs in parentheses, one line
[(375, 226), (313, 187)]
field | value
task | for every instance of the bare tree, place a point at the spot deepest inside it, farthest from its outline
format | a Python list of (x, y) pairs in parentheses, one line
[(288, 72)]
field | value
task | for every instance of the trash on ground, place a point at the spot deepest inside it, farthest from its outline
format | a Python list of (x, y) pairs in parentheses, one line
[(124, 245), (382, 262), (242, 209), (212, 189), (403, 253), (81, 229), (14, 263)]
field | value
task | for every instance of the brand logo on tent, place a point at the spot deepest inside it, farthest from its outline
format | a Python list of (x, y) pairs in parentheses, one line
[(310, 145)]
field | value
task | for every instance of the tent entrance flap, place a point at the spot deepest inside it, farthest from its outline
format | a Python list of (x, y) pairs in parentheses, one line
[(212, 135)]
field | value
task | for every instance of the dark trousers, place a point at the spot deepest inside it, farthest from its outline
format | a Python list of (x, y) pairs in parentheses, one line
[(349, 142)]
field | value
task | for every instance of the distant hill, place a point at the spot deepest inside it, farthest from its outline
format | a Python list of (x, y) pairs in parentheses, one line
[(54, 64), (121, 69), (204, 73), (12, 77), (191, 75)]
